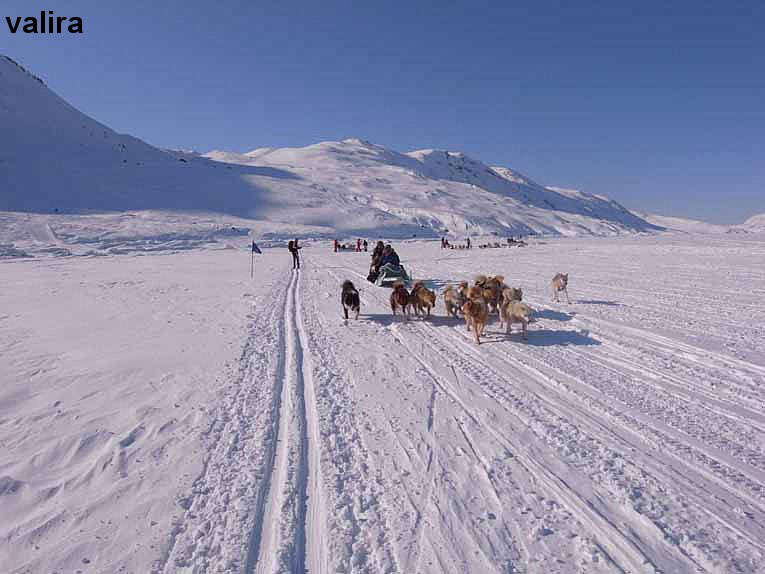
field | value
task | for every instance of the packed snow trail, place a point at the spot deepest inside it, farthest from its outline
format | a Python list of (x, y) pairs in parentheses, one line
[(609, 416), (626, 435), (292, 527)]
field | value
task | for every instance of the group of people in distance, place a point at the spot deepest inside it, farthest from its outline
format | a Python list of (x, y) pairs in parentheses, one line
[(361, 245), (446, 245)]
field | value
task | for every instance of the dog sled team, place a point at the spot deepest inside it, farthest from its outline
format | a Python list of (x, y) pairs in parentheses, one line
[(475, 304)]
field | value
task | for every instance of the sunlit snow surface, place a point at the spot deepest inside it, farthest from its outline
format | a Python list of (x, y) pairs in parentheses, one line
[(161, 412)]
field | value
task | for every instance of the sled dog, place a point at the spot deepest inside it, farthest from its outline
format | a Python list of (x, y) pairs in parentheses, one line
[(455, 298), (476, 312), (399, 298), (422, 298), (512, 294), (516, 312), (349, 299), (560, 283), (492, 289)]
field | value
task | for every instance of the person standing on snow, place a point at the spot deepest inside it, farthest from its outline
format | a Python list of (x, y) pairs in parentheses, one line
[(334, 244), (366, 246), (358, 245), (467, 242), (293, 248)]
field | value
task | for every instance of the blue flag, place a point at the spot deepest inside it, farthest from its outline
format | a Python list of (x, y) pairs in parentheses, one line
[(255, 248)]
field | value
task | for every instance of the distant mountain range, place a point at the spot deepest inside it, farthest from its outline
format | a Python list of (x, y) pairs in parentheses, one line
[(59, 160)]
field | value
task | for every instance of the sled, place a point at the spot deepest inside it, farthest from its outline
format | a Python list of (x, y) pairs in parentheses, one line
[(389, 274)]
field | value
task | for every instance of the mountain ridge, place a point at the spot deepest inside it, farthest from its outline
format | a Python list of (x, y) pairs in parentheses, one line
[(63, 161)]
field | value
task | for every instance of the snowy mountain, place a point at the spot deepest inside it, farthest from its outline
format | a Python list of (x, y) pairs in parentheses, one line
[(360, 187), (755, 224), (59, 161), (684, 224)]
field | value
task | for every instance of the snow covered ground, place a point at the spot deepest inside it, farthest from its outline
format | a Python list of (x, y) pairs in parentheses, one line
[(164, 413)]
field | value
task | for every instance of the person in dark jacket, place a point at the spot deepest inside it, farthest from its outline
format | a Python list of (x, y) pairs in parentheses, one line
[(293, 248), (377, 251), (389, 257), (374, 268)]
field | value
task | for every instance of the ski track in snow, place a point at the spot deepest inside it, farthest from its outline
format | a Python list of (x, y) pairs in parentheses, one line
[(292, 527), (223, 513)]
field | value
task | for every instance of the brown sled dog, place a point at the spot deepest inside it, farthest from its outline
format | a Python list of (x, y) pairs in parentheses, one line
[(476, 312), (421, 298), (492, 290), (399, 298)]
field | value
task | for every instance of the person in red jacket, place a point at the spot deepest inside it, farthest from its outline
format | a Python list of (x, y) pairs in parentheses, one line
[(335, 245), (358, 245)]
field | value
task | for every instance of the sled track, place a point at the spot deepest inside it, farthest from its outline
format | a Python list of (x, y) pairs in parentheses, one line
[(289, 529), (549, 398), (623, 553), (358, 535)]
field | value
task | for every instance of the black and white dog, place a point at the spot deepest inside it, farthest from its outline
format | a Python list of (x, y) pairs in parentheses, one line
[(350, 299)]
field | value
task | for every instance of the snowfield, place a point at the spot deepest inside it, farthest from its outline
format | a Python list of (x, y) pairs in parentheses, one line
[(164, 413)]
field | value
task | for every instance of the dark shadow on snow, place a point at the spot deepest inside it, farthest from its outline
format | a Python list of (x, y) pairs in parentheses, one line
[(548, 338), (390, 319), (598, 302), (554, 315)]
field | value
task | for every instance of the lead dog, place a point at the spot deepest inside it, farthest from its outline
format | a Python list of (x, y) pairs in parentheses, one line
[(560, 283), (349, 299)]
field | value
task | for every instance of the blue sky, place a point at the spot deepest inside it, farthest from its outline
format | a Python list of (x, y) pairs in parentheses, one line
[(659, 105)]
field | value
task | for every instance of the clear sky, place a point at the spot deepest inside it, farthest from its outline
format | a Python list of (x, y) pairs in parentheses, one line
[(659, 105)]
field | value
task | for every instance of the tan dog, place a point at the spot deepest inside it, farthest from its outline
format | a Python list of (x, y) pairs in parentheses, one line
[(512, 294), (560, 283), (492, 289), (421, 298), (454, 298), (516, 312), (476, 312), (399, 299)]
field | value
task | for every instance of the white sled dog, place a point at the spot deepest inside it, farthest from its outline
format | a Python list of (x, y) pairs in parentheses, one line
[(560, 283), (516, 312), (455, 298)]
